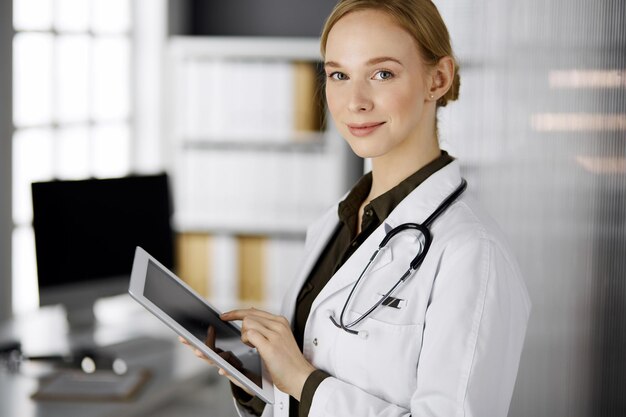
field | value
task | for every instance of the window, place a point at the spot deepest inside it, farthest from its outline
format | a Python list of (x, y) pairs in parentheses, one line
[(72, 107)]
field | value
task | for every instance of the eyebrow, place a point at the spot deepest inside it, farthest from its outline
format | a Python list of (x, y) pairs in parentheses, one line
[(372, 61)]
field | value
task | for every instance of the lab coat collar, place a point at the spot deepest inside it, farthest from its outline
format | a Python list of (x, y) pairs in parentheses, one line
[(423, 201)]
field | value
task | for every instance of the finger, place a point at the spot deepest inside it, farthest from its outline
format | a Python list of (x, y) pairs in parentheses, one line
[(270, 329), (222, 372), (259, 326), (232, 359), (247, 312), (259, 341), (278, 324), (210, 337), (199, 354), (183, 340)]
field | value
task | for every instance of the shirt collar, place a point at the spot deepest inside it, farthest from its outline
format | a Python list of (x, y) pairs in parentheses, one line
[(349, 207), (384, 204)]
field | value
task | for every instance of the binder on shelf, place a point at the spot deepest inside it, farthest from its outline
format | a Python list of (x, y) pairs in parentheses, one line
[(250, 101), (247, 187), (194, 261), (307, 110), (252, 268)]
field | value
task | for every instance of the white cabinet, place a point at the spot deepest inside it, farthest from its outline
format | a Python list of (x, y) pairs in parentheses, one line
[(248, 153), (254, 159)]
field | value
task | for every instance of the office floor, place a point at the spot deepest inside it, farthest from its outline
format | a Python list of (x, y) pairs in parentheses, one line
[(210, 400)]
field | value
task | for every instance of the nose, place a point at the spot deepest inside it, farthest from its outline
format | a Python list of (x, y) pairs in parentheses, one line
[(360, 98)]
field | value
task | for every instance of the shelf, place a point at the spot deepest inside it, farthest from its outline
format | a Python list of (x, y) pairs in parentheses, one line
[(314, 143), (295, 228), (305, 49)]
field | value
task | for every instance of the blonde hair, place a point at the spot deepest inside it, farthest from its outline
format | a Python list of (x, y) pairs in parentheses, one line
[(420, 18)]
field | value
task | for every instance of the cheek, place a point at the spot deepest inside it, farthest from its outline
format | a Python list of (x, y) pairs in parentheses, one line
[(333, 99), (404, 105)]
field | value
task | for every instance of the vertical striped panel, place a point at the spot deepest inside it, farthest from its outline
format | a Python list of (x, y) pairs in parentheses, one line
[(540, 130), (6, 130)]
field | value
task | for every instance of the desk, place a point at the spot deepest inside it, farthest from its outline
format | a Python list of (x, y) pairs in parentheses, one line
[(131, 332)]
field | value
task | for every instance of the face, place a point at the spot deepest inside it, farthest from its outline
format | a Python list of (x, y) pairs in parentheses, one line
[(376, 85)]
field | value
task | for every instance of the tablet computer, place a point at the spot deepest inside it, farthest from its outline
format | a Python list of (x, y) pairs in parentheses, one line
[(188, 314)]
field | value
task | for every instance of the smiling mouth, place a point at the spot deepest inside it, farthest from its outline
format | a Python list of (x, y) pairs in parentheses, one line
[(363, 129)]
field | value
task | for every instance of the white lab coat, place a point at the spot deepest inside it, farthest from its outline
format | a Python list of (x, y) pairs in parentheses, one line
[(452, 349)]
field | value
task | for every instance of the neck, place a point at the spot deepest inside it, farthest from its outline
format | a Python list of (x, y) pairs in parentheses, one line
[(391, 169)]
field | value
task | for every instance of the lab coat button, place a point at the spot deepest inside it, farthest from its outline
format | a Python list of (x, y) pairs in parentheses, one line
[(315, 342), (280, 405)]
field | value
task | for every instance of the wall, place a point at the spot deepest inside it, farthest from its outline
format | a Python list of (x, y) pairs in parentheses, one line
[(149, 37), (6, 128), (249, 18)]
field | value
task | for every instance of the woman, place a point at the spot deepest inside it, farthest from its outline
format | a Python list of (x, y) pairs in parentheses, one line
[(447, 342)]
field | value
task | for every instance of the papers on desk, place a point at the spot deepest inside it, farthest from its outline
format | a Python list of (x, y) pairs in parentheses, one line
[(73, 385)]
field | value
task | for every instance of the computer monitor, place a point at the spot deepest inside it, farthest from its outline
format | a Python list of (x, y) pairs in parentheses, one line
[(86, 233)]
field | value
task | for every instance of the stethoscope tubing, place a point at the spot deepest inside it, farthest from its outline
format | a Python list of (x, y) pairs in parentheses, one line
[(415, 263)]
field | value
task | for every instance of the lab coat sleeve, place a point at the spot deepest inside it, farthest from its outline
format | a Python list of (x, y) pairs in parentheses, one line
[(474, 329), (268, 411)]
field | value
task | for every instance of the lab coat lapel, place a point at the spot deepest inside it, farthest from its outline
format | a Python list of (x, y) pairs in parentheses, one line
[(416, 207), (318, 235), (350, 270)]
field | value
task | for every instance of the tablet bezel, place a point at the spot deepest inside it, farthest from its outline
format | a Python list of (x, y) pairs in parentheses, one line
[(136, 291)]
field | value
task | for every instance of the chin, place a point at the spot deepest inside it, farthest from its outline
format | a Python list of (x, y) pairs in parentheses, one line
[(363, 149)]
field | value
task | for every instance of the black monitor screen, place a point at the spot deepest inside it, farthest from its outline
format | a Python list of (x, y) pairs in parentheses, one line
[(88, 230)]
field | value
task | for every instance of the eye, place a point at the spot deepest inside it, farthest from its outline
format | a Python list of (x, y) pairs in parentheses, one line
[(383, 75), (338, 76)]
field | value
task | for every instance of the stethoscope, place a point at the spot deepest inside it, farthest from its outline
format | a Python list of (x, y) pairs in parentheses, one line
[(415, 263)]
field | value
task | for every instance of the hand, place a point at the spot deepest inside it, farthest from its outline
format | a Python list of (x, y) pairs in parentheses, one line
[(226, 355), (272, 337)]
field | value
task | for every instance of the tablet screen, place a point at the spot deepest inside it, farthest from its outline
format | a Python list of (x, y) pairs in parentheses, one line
[(188, 311)]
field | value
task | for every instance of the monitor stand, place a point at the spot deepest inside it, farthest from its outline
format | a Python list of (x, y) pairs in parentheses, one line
[(80, 319), (81, 327)]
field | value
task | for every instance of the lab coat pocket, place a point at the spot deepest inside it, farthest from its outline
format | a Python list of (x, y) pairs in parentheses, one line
[(382, 360), (391, 356)]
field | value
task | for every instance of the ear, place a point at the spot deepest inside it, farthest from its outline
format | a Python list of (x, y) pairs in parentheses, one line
[(441, 77)]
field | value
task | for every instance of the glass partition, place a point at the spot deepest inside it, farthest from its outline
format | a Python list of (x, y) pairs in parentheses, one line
[(540, 130)]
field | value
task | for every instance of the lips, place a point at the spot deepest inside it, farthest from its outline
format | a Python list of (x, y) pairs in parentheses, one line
[(363, 129)]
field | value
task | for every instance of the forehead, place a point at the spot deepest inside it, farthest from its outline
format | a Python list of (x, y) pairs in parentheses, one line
[(365, 34)]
